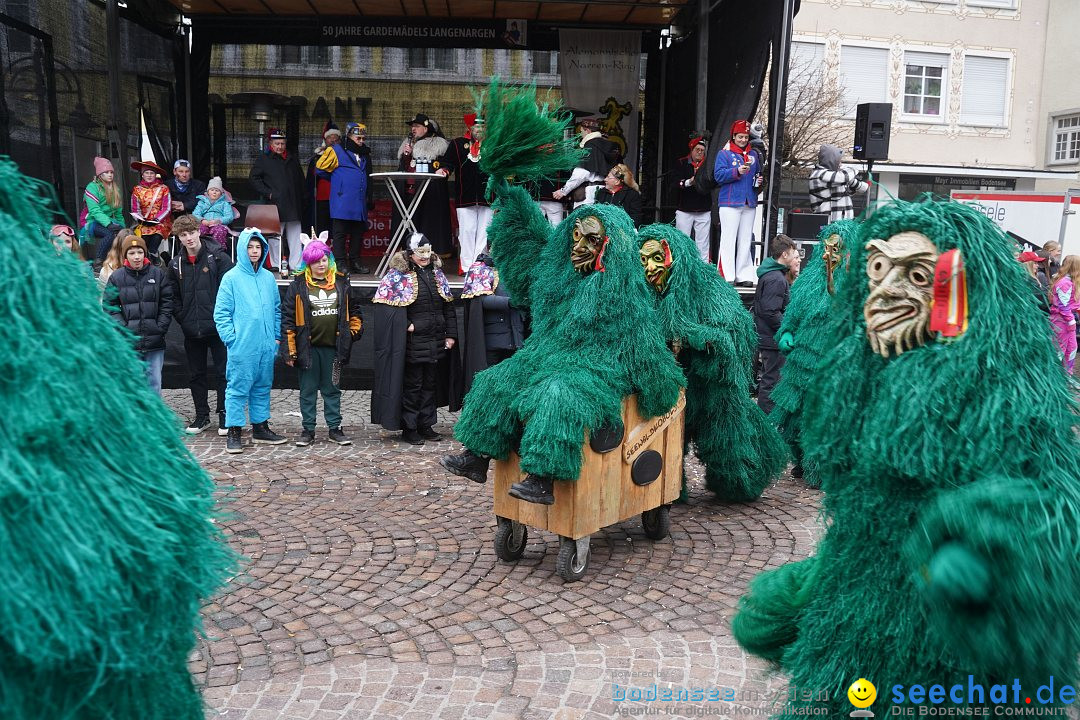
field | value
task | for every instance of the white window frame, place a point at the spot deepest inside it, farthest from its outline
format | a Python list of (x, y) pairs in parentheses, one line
[(994, 4), (431, 67), (1055, 132), (849, 113), (1005, 115), (272, 62), (938, 119)]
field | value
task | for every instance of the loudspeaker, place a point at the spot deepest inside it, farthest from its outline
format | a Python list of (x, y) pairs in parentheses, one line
[(806, 226), (872, 129)]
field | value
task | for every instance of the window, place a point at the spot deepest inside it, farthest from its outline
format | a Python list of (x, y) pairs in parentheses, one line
[(1006, 4), (544, 62), (985, 91), (1067, 139), (303, 56), (431, 58), (864, 76), (808, 57), (924, 83), (17, 40)]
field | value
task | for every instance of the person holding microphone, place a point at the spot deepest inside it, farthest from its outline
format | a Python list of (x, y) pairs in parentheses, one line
[(737, 172)]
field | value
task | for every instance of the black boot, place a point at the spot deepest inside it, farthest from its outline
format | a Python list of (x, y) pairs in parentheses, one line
[(412, 437), (429, 433), (534, 489), (234, 443), (467, 465), (263, 435)]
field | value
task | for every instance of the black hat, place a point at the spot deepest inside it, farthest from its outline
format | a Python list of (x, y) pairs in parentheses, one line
[(419, 119)]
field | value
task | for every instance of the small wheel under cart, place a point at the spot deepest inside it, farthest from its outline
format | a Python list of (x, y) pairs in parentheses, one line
[(629, 469), (656, 522), (510, 539), (573, 558)]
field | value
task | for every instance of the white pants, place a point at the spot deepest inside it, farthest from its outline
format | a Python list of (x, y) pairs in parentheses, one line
[(553, 210), (472, 225), (736, 231), (291, 232), (700, 223)]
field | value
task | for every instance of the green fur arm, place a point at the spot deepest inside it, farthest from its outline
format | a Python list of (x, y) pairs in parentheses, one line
[(995, 562), (516, 235), (766, 620)]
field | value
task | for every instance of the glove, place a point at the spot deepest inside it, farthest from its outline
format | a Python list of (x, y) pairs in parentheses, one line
[(786, 342)]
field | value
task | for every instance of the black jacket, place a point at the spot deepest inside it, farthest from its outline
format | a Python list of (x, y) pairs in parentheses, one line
[(689, 199), (143, 302), (601, 155), (770, 301), (281, 182), (190, 198), (627, 198), (471, 182), (195, 290), (296, 321), (433, 320)]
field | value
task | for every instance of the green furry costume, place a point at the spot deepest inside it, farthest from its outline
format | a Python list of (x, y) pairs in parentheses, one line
[(595, 336), (801, 332), (741, 450), (950, 474), (107, 546)]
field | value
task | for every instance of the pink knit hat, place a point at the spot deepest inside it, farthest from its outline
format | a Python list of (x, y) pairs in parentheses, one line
[(102, 165)]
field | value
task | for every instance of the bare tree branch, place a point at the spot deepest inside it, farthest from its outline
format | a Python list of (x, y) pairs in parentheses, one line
[(814, 108)]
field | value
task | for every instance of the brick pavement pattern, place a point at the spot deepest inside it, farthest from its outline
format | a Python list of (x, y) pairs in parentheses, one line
[(372, 590)]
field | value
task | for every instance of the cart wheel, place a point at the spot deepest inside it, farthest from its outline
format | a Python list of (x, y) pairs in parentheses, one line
[(510, 539), (656, 523), (573, 559)]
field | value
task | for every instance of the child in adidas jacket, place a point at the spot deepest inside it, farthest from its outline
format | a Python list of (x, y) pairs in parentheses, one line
[(320, 320)]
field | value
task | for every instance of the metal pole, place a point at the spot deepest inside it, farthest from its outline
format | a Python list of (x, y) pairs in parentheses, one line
[(190, 149), (660, 129), (116, 105), (701, 116), (776, 128), (1065, 213)]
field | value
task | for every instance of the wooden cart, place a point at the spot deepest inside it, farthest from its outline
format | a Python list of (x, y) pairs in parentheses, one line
[(641, 475)]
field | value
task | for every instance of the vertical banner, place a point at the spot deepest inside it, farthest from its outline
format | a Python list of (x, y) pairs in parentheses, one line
[(601, 75)]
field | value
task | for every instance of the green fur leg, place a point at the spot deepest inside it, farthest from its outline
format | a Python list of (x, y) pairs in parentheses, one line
[(488, 424), (766, 622)]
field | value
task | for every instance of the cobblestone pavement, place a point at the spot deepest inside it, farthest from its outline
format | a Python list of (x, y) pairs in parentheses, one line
[(373, 591)]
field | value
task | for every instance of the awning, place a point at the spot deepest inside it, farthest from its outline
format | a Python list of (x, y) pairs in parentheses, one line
[(638, 13)]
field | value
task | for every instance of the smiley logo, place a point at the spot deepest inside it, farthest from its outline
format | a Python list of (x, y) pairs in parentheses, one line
[(862, 693)]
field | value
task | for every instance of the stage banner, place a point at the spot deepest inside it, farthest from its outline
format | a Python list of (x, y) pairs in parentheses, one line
[(601, 75)]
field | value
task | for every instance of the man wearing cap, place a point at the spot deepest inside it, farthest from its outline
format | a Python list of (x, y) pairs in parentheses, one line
[(349, 167), (184, 190), (318, 183), (470, 201), (601, 155), (693, 216), (415, 332), (276, 175), (420, 152), (140, 296)]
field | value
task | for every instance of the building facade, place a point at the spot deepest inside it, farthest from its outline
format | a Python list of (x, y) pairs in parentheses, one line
[(985, 94)]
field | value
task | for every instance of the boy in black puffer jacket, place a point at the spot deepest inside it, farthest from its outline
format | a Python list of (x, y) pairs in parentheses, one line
[(196, 274), (140, 296), (770, 300)]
